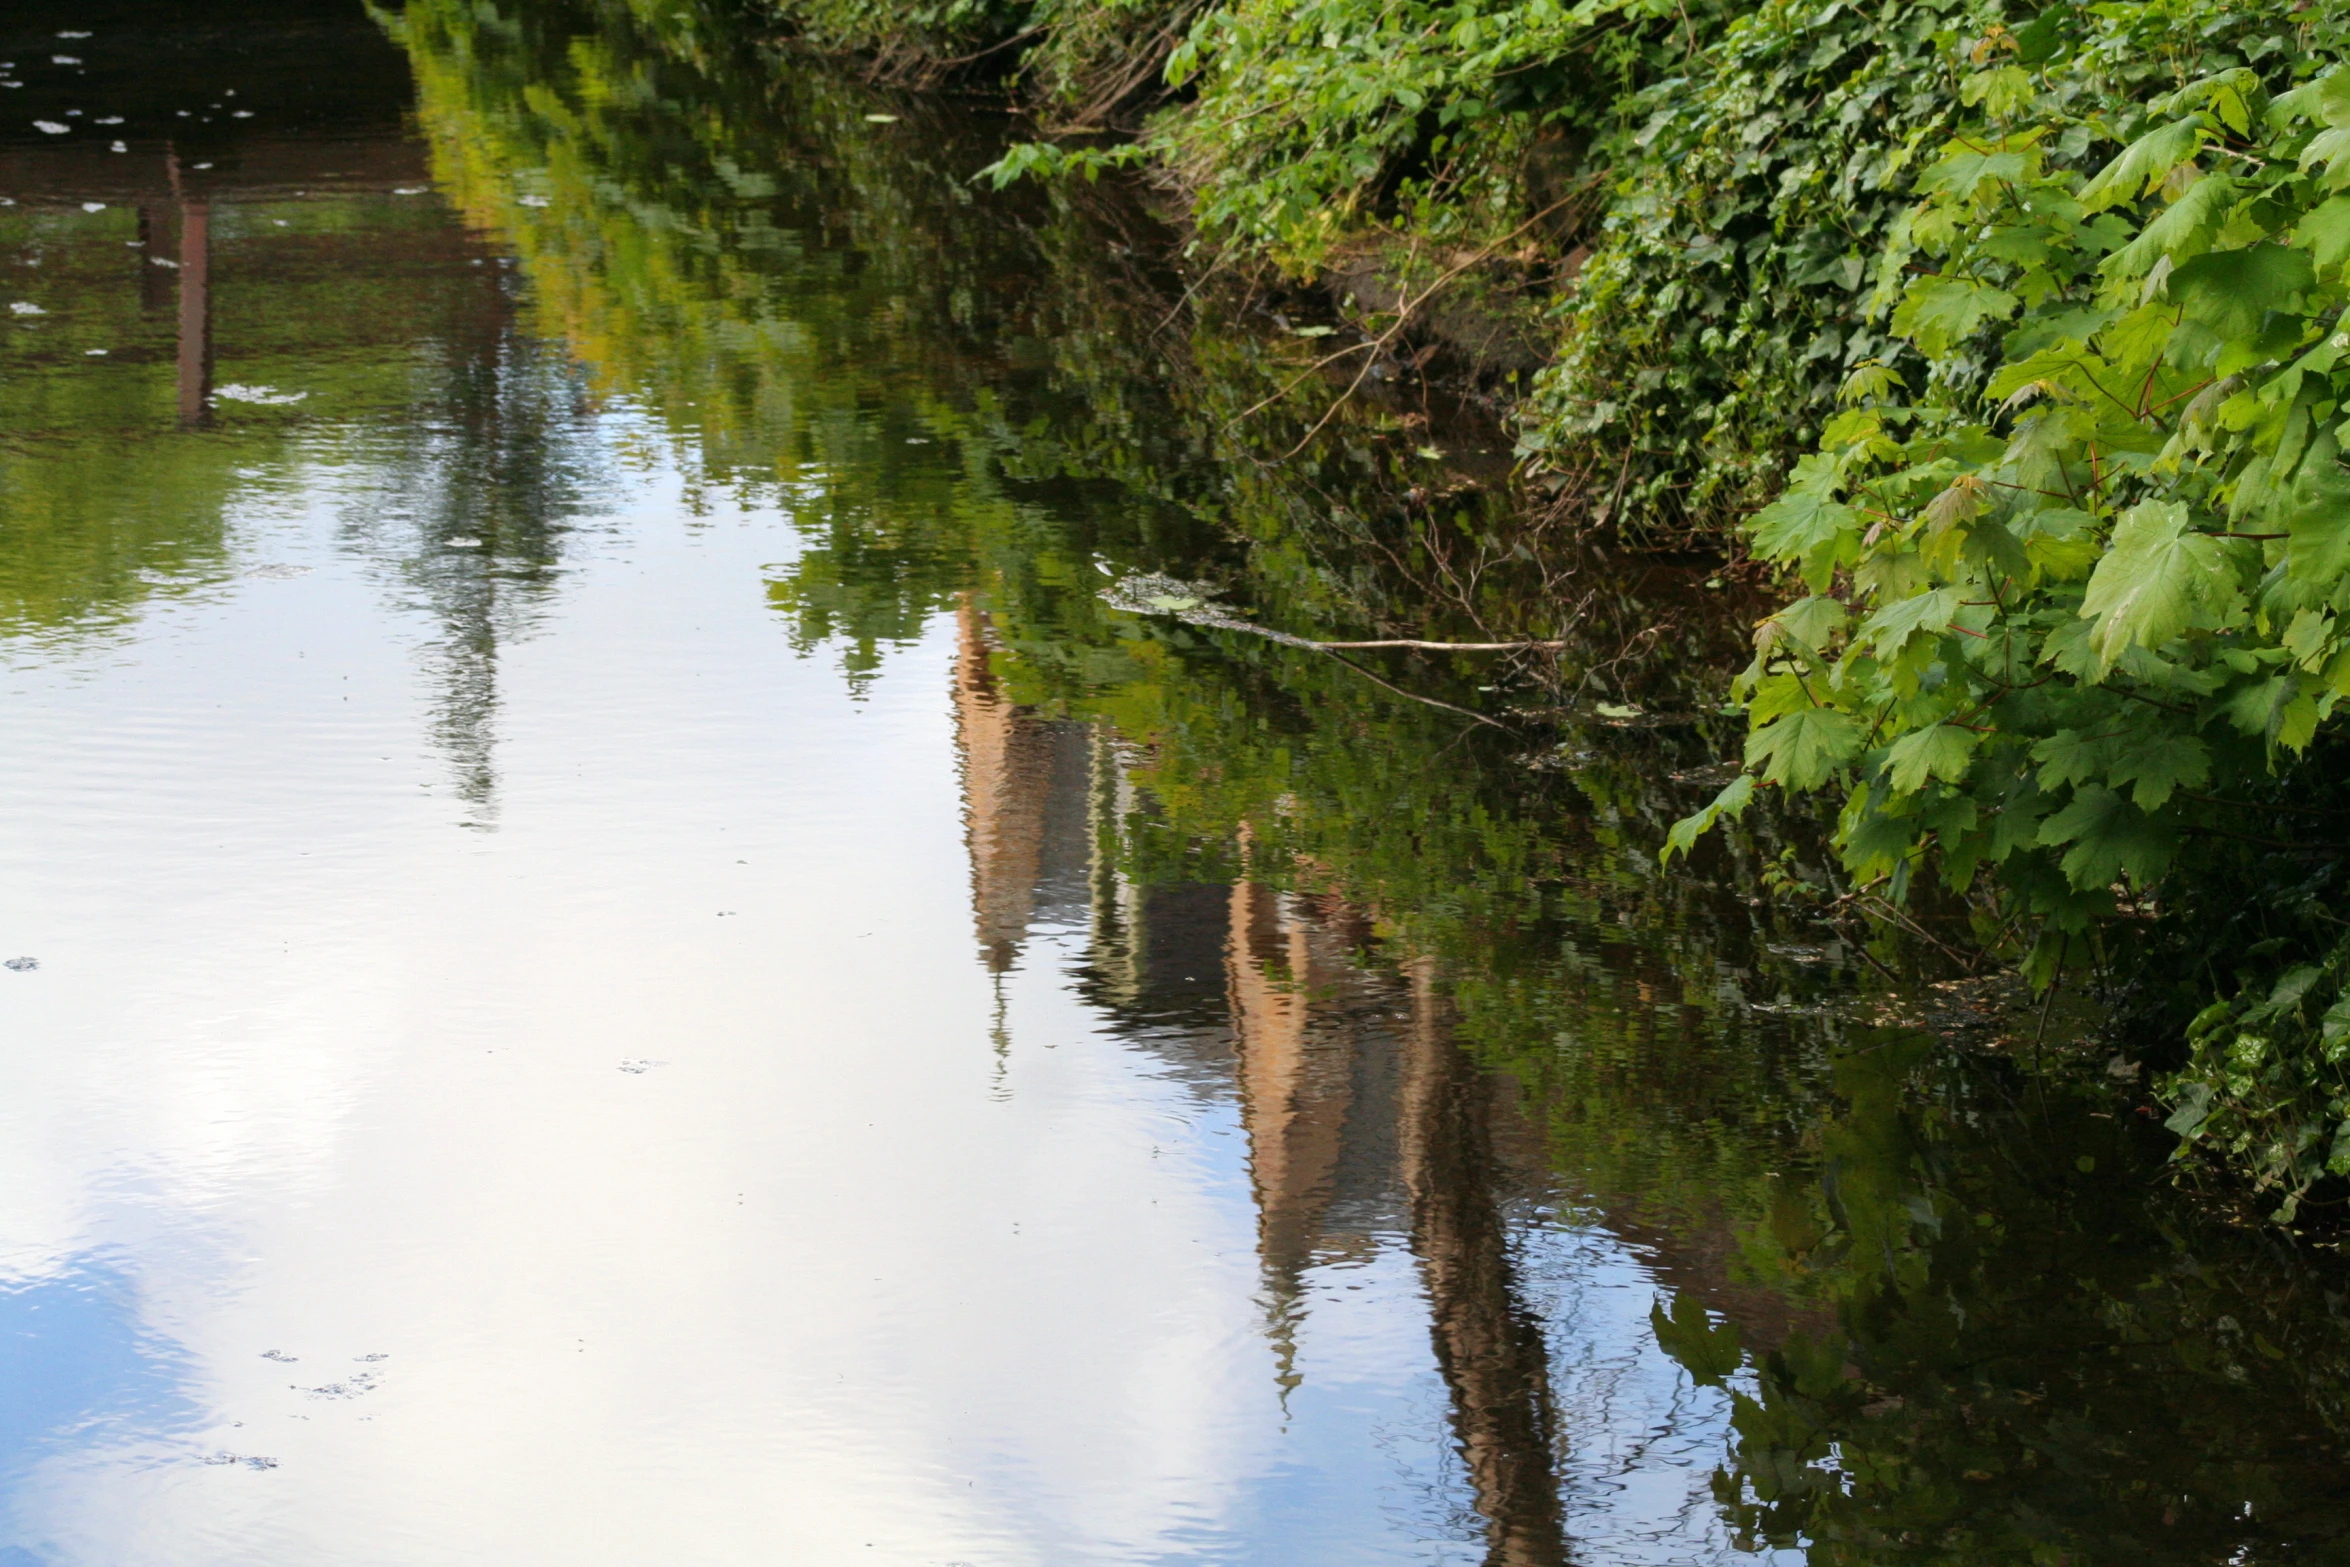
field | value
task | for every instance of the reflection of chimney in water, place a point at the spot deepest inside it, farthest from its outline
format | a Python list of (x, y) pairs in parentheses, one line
[(1489, 1347), (1006, 780), (1296, 1079)]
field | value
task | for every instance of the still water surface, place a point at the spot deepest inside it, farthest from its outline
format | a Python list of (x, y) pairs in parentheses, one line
[(630, 965)]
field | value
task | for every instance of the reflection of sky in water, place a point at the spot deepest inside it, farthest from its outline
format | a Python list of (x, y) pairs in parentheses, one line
[(835, 1270), (78, 1371)]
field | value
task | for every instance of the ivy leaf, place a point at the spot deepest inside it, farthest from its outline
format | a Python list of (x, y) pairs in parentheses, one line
[(2110, 837), (1941, 311), (1800, 750), (1942, 751), (2144, 164), (2155, 581), (2232, 291)]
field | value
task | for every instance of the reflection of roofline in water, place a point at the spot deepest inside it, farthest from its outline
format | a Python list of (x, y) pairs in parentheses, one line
[(262, 169)]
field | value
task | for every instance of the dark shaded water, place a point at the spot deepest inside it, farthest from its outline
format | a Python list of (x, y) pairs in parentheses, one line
[(633, 963)]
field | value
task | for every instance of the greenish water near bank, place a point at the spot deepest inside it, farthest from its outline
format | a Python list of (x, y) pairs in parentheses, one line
[(810, 1030)]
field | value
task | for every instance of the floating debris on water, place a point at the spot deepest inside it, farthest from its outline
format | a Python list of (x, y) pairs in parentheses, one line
[(237, 392), (364, 1382), (248, 1460), (280, 1356), (22, 965), (640, 1065), (25, 307)]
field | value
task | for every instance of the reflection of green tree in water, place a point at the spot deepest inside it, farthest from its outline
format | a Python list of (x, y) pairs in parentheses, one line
[(504, 458), (2036, 1355)]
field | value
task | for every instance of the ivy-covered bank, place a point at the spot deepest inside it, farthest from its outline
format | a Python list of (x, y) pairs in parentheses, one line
[(2008, 336)]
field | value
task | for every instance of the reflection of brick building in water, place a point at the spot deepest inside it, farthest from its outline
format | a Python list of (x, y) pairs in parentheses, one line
[(1366, 1125)]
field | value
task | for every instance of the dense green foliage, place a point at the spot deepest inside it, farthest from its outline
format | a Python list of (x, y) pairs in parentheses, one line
[(2076, 558)]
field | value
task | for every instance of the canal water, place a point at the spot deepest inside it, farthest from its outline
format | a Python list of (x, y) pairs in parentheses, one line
[(666, 904)]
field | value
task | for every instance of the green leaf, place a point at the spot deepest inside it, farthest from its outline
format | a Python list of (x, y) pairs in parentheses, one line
[(1731, 802), (1800, 750), (1942, 751), (1964, 170), (2316, 515), (2325, 232), (2144, 164), (2110, 837), (2071, 756), (2185, 228), (1923, 614), (1940, 311), (1809, 529), (2232, 291), (1807, 623), (2276, 709), (2155, 581), (2159, 761), (2000, 91), (2194, 1109)]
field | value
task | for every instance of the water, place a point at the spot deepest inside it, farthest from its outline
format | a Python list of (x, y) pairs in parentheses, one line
[(633, 965)]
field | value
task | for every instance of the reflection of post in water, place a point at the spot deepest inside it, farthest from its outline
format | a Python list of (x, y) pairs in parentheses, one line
[(195, 280), (1490, 1348)]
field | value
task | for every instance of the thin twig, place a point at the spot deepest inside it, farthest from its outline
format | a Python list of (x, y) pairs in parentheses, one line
[(1414, 696), (1438, 647)]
